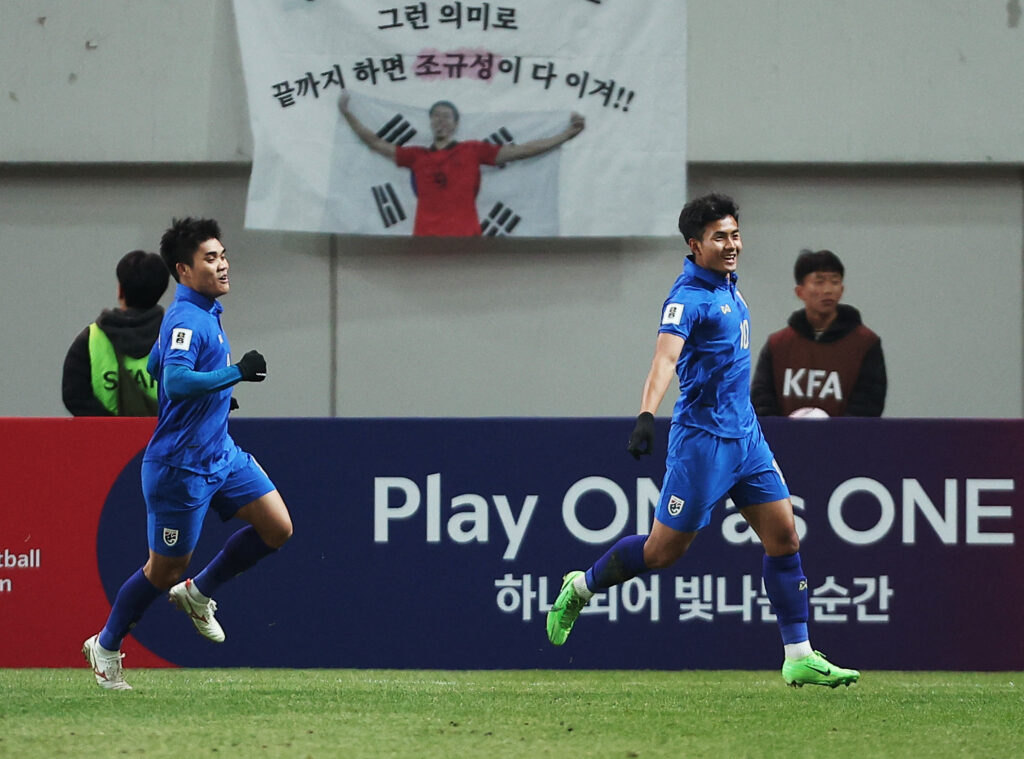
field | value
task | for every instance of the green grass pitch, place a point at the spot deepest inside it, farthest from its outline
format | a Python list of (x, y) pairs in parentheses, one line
[(495, 714)]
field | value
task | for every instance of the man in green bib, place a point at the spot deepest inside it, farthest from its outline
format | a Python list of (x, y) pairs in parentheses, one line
[(105, 369)]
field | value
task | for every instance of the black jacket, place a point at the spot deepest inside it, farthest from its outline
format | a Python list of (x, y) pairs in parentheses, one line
[(131, 331)]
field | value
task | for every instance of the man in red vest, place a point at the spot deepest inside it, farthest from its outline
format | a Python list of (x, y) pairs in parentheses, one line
[(825, 361)]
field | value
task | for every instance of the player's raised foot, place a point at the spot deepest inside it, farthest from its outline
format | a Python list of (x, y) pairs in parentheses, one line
[(184, 596), (815, 669), (566, 610), (106, 666)]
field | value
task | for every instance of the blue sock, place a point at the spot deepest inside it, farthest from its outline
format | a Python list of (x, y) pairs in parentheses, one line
[(623, 561), (132, 600), (241, 551), (787, 590)]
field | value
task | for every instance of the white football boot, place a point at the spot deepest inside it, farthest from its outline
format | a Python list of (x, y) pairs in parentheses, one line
[(186, 597), (105, 666)]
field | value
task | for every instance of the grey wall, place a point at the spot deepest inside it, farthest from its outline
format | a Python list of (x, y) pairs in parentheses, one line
[(888, 132)]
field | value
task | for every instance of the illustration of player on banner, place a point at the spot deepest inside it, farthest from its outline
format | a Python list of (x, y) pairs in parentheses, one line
[(446, 176), (512, 84)]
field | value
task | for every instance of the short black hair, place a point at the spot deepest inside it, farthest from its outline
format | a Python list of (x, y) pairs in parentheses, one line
[(143, 278), (446, 104), (810, 261), (700, 212), (182, 240)]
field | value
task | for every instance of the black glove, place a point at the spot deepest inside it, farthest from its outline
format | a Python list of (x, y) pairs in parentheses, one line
[(641, 442), (253, 367), (233, 405)]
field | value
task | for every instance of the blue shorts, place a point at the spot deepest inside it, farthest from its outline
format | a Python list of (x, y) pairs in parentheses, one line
[(177, 499), (702, 469)]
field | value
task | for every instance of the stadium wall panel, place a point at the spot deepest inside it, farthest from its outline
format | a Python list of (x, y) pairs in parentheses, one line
[(440, 543)]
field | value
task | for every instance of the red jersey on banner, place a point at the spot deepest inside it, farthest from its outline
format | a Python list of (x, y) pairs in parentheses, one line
[(446, 183)]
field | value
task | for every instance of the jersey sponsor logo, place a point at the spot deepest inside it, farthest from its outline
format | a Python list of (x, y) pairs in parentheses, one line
[(802, 585), (675, 506), (673, 313), (811, 383), (726, 309), (170, 536), (181, 339)]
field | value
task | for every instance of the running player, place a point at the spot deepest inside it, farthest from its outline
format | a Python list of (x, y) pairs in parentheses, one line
[(715, 446), (191, 463)]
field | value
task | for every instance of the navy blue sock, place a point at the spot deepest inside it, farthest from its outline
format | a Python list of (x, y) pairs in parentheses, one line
[(241, 551), (787, 590), (623, 561), (132, 600)]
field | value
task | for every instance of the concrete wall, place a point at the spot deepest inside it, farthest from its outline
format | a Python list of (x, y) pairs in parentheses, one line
[(888, 132)]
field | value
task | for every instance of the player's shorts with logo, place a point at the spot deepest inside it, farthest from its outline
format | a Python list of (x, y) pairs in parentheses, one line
[(177, 500), (702, 469)]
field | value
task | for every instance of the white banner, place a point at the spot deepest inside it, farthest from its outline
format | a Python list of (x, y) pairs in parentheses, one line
[(515, 79)]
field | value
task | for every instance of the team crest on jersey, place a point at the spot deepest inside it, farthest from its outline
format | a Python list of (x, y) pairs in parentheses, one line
[(170, 536), (181, 339), (673, 313), (675, 506)]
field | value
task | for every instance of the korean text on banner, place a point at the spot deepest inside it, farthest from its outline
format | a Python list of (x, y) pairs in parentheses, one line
[(515, 72)]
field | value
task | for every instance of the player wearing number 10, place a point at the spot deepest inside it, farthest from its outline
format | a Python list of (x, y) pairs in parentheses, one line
[(715, 446)]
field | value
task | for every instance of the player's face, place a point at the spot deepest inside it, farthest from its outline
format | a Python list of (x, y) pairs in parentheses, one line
[(208, 274), (821, 292), (719, 248), (443, 122)]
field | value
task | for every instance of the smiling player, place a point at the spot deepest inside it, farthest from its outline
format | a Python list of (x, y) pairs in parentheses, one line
[(191, 463), (715, 446)]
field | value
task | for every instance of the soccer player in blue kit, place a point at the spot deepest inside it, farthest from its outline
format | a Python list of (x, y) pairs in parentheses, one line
[(191, 463), (715, 446)]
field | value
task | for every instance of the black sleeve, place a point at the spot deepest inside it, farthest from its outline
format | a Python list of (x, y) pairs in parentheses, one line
[(762, 387), (868, 395), (76, 386)]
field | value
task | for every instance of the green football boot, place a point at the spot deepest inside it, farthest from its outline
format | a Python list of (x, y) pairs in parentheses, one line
[(565, 610), (815, 669)]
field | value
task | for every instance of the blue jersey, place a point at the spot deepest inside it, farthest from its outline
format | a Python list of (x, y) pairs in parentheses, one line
[(192, 433), (707, 311)]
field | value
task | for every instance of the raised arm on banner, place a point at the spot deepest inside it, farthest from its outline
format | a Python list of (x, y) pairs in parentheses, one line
[(536, 147), (364, 133)]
